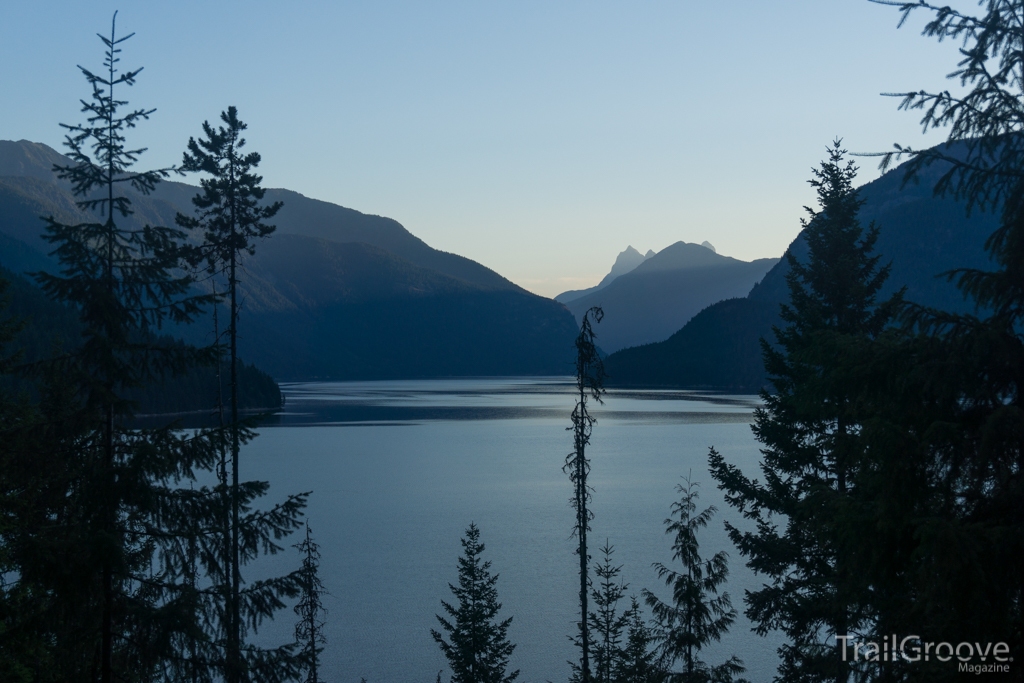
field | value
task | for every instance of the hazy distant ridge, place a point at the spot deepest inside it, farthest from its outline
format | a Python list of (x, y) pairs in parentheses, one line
[(663, 292), (625, 262)]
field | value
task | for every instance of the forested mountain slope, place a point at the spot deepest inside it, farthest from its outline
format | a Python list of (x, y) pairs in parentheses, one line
[(333, 293)]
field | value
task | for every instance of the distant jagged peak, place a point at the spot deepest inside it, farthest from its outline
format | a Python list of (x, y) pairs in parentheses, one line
[(682, 255), (708, 245), (626, 261)]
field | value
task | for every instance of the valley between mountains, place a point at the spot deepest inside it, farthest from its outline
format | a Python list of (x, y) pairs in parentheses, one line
[(342, 295)]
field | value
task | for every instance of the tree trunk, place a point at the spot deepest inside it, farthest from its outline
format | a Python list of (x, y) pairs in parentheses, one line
[(581, 501), (235, 638)]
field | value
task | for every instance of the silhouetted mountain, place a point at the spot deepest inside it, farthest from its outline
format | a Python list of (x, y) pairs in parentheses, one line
[(719, 348), (661, 294), (314, 218), (29, 159), (625, 262), (355, 311), (334, 293), (920, 235)]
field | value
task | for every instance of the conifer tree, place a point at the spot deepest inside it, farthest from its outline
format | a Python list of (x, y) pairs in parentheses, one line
[(309, 631), (589, 383), (112, 561), (606, 623), (961, 385), (477, 646), (810, 430), (698, 614), (231, 216), (637, 661)]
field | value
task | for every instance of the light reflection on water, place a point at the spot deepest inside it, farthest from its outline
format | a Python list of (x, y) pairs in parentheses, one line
[(394, 403), (390, 505)]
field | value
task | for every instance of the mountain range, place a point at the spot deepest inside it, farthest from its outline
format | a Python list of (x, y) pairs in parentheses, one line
[(625, 262), (332, 294), (658, 295), (339, 294)]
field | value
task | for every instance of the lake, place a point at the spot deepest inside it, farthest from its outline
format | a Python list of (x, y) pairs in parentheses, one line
[(398, 470)]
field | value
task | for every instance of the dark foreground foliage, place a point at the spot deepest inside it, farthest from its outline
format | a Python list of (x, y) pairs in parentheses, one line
[(699, 613), (110, 552)]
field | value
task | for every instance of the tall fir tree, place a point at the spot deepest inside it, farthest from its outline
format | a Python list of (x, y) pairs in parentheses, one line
[(231, 216), (698, 614), (112, 556), (963, 399), (477, 646), (810, 429), (589, 384)]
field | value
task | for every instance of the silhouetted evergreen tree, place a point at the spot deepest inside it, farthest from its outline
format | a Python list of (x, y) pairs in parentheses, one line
[(637, 661), (46, 627), (477, 646), (606, 623), (810, 429), (698, 615), (962, 399), (231, 217), (309, 631), (111, 556), (589, 382)]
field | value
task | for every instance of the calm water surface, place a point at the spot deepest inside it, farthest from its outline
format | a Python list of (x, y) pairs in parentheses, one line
[(398, 470)]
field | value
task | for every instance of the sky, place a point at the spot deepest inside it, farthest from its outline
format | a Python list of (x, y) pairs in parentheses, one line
[(538, 137)]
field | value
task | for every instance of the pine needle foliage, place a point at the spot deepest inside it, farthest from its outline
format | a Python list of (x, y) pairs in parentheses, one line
[(22, 643), (230, 209), (231, 216), (698, 614), (474, 642), (965, 383), (986, 121), (589, 384)]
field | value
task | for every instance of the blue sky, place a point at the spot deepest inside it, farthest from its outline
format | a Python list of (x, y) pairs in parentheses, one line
[(538, 137)]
